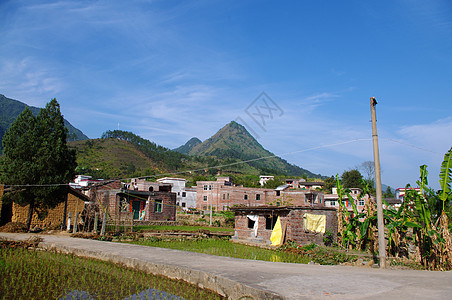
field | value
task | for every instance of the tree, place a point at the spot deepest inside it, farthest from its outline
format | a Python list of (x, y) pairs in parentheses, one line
[(351, 179), (388, 193), (330, 182), (37, 162)]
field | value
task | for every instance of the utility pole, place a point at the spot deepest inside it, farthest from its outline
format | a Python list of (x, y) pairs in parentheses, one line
[(381, 226)]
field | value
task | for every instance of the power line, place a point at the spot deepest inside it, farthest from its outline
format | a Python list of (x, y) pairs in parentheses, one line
[(238, 162)]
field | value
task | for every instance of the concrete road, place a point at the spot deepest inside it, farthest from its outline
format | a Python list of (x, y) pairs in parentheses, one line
[(249, 279)]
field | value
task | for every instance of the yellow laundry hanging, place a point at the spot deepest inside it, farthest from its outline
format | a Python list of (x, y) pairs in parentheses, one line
[(316, 223), (276, 237)]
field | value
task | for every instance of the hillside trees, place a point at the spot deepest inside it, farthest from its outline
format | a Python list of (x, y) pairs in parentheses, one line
[(37, 162)]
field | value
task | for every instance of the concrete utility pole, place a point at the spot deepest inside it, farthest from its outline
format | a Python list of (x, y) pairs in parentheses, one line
[(381, 226)]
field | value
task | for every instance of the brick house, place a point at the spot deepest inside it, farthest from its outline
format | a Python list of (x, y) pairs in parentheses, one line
[(140, 199), (223, 194), (55, 217), (158, 205), (255, 224)]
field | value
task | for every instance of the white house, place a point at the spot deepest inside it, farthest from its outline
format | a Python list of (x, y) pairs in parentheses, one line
[(185, 196)]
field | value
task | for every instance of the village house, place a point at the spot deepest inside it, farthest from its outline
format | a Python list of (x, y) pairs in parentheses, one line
[(139, 200), (264, 178), (303, 184), (185, 196), (400, 192), (303, 225), (332, 200), (223, 194), (56, 217)]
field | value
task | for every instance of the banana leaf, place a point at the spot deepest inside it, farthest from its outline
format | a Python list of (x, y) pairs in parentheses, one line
[(445, 177)]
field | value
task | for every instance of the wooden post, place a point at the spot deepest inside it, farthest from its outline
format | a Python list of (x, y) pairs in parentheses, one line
[(65, 211), (68, 228), (104, 223), (75, 223), (380, 221), (96, 220)]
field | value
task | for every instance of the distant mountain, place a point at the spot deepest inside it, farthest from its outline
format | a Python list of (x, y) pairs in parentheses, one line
[(10, 109), (185, 149), (233, 141)]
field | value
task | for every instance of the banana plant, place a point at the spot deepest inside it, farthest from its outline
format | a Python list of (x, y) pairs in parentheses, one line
[(445, 178)]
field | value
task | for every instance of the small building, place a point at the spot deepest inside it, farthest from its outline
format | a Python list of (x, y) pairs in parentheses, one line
[(55, 217), (185, 196), (158, 205), (139, 200), (332, 200), (255, 224), (264, 178), (400, 192)]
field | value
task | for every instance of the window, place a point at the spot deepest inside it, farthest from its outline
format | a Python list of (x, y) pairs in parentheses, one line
[(205, 187), (333, 203), (224, 196), (258, 196), (204, 208), (228, 196), (204, 198), (183, 204), (250, 223), (158, 206), (270, 222), (178, 193), (361, 202), (210, 187), (278, 193), (184, 194), (245, 197)]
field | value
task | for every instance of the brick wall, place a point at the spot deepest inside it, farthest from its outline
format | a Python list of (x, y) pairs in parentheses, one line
[(292, 218), (168, 212), (222, 196)]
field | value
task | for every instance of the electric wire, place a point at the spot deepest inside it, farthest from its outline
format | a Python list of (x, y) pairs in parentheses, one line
[(234, 163)]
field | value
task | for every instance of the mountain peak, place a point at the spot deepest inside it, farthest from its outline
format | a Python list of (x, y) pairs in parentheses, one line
[(186, 148)]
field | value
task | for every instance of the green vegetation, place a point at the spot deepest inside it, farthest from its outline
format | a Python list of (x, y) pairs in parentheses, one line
[(352, 179), (10, 109), (291, 253), (162, 228), (233, 141), (422, 220), (36, 153), (31, 274), (122, 154)]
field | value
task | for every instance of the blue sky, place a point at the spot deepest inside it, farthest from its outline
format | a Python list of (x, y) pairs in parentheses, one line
[(171, 70)]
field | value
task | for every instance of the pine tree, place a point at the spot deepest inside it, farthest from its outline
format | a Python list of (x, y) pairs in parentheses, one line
[(37, 162)]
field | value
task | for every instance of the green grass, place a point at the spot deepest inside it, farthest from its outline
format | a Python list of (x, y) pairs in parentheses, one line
[(223, 247), (33, 274), (179, 228)]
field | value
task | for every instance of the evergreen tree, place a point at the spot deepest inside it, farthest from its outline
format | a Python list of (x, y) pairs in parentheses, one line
[(37, 162)]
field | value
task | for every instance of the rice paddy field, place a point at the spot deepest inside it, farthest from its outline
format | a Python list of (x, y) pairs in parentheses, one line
[(223, 247), (143, 228), (36, 274)]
